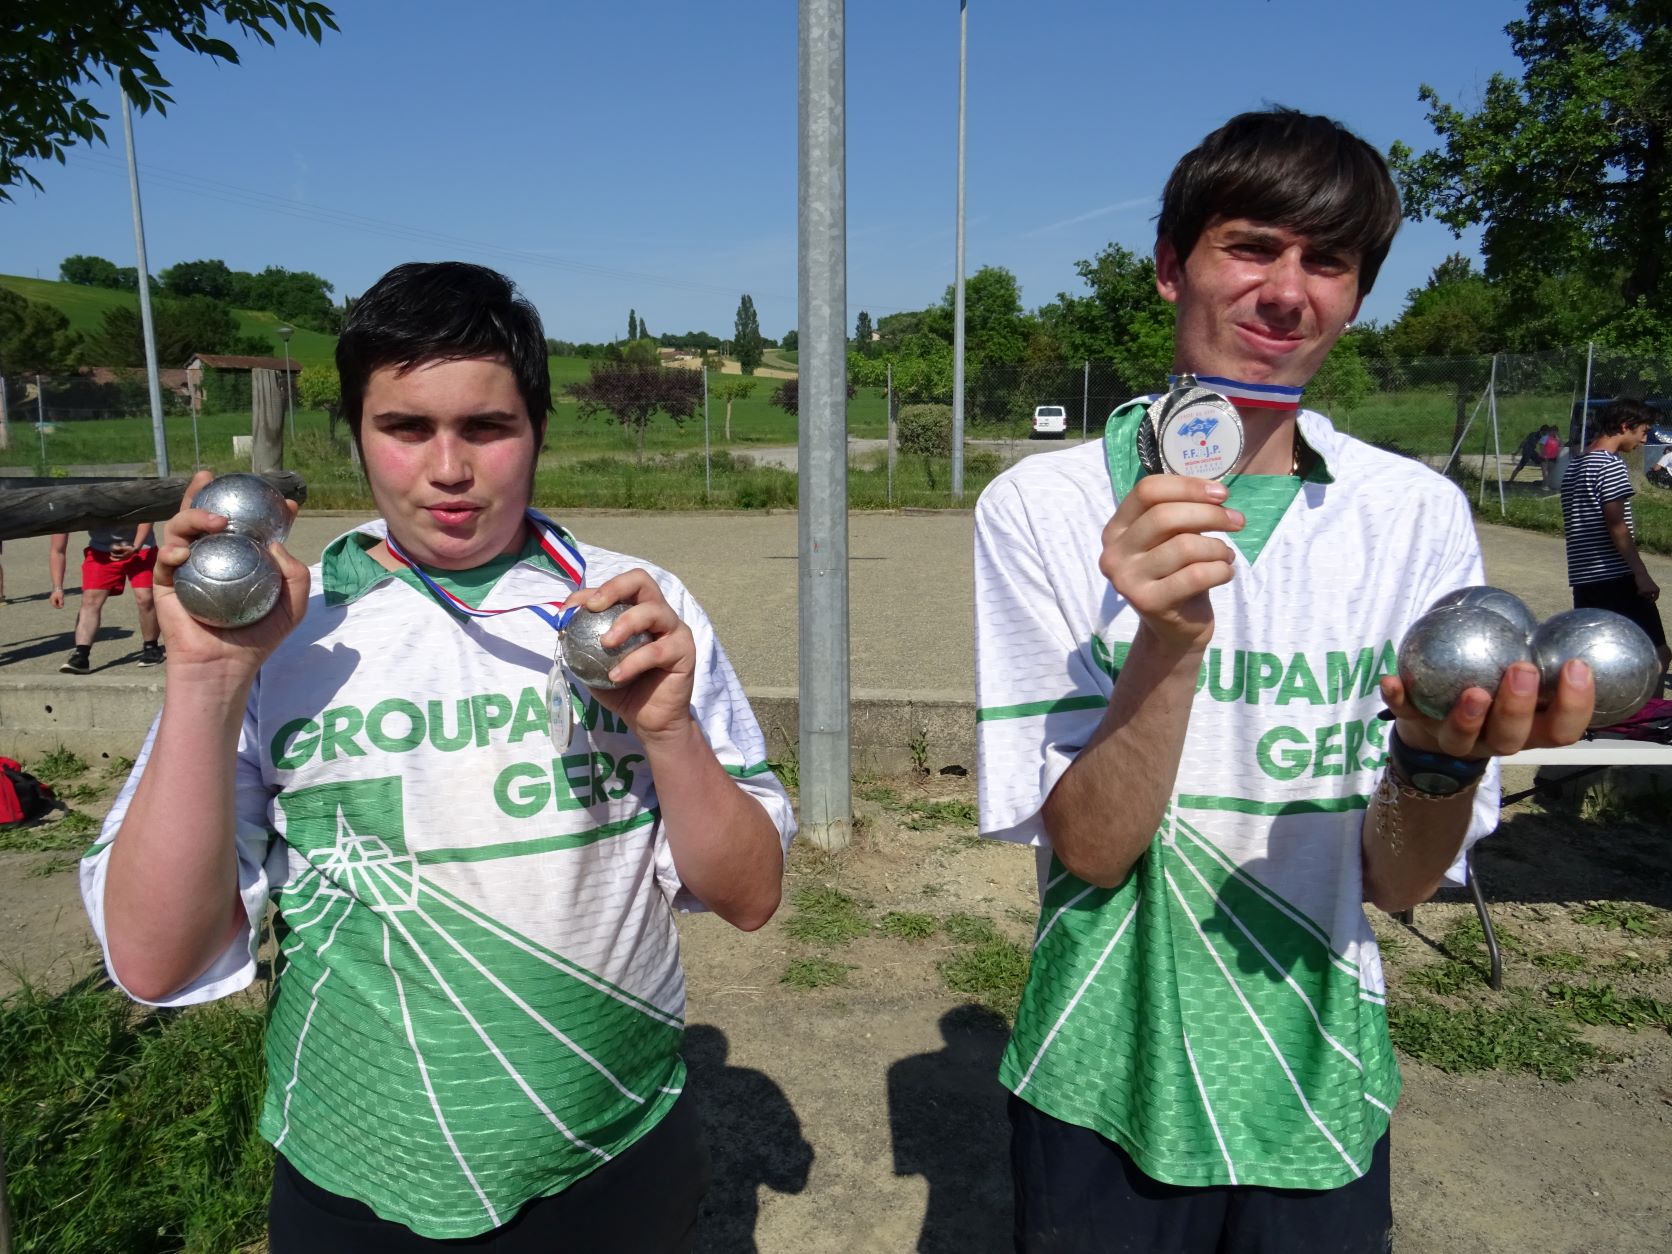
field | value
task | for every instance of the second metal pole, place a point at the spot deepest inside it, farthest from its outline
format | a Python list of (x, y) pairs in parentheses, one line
[(958, 278), (158, 436), (822, 316)]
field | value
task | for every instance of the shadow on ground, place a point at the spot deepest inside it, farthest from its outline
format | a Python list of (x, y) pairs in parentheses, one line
[(947, 1119)]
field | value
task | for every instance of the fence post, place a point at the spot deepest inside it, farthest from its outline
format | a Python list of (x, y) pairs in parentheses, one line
[(5, 1205), (891, 435), (1085, 404), (1585, 410), (266, 422), (707, 461), (5, 417), (40, 417)]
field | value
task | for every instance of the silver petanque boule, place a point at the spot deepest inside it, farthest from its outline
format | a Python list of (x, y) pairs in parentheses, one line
[(1498, 601), (587, 659), (228, 581), (1454, 648), (252, 507), (1620, 654)]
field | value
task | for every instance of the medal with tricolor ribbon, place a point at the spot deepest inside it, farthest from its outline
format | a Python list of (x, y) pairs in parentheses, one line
[(565, 554), (1195, 430)]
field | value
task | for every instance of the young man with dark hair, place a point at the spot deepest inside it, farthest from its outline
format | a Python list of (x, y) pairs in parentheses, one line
[(475, 1029), (1180, 708), (1605, 570)]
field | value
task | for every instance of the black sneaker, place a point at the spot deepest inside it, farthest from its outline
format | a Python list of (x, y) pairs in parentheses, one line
[(151, 654), (77, 663)]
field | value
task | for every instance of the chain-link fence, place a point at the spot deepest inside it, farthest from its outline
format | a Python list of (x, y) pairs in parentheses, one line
[(680, 434)]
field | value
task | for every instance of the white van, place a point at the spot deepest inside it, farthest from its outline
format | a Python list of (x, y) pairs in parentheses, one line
[(1051, 421)]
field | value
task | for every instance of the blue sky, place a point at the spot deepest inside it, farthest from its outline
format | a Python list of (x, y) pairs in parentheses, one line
[(643, 156)]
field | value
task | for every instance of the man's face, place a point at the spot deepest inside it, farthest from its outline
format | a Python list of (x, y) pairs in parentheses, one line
[(1257, 303), (449, 453), (1636, 437)]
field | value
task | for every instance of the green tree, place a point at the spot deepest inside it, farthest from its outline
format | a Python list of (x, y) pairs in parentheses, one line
[(203, 278), (632, 325), (862, 334), (87, 271), (35, 338), (746, 338), (791, 341), (297, 296), (321, 387), (995, 328), (54, 54), (634, 393), (644, 334), (1121, 319), (1569, 168), (732, 390)]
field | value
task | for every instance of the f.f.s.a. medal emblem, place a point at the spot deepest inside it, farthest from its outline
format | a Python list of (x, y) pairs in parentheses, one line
[(1191, 431)]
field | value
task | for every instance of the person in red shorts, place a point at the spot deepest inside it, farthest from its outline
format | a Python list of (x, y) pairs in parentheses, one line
[(115, 557)]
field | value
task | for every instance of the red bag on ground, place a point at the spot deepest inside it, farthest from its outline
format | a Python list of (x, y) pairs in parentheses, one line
[(22, 796)]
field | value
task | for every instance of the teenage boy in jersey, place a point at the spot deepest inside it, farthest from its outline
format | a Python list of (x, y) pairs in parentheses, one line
[(1179, 691), (1605, 570), (476, 1027), (115, 557)]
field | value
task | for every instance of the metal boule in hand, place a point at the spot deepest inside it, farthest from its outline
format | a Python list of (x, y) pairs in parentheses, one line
[(228, 581), (251, 506), (1620, 654), (583, 651), (1454, 648), (1192, 431), (1498, 601)]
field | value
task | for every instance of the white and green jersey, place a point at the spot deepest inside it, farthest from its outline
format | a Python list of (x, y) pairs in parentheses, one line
[(479, 997), (1221, 1014)]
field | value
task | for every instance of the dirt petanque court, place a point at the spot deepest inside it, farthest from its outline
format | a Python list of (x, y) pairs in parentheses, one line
[(845, 1055)]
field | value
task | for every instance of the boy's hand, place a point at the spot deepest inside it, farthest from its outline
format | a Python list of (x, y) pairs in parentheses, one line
[(1156, 555), (656, 678), (230, 654), (57, 599), (1483, 726)]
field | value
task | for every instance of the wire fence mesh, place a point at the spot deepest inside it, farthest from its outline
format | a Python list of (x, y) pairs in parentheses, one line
[(648, 434)]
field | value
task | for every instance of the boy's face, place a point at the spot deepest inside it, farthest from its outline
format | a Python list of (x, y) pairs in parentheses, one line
[(1257, 303), (449, 452)]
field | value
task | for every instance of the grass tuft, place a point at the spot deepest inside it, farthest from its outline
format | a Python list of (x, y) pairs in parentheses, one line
[(131, 1130), (806, 973), (1628, 917), (993, 971), (825, 916), (1520, 1036), (905, 925), (1599, 1004), (970, 929), (57, 765)]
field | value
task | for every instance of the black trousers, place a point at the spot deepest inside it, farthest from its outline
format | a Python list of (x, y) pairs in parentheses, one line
[(1077, 1193), (644, 1201)]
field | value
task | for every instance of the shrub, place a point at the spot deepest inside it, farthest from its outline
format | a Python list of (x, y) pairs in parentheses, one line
[(926, 429)]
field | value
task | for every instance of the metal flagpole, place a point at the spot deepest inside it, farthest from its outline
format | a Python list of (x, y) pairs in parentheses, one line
[(958, 278), (822, 316), (158, 437)]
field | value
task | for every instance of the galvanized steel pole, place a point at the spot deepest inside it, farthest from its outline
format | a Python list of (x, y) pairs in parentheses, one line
[(822, 316), (1085, 402), (158, 436), (958, 279)]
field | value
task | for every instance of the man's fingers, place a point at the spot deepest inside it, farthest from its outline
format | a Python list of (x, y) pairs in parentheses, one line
[(1155, 526), (1178, 553), (199, 481), (1513, 710), (1571, 706)]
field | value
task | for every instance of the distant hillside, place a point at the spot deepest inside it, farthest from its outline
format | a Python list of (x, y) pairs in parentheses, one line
[(85, 308)]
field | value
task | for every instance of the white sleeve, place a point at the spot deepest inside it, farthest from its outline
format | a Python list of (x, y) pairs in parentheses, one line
[(261, 864), (729, 725), (1465, 568), (1040, 694)]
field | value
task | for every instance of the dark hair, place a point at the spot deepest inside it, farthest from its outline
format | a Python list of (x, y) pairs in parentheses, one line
[(427, 311), (1289, 169), (1623, 414)]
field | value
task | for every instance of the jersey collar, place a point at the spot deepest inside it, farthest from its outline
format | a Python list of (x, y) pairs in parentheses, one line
[(348, 571)]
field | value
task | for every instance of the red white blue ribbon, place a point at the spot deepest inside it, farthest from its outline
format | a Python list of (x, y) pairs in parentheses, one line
[(555, 542), (1250, 395)]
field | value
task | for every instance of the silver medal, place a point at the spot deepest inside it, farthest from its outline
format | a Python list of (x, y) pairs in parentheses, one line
[(560, 710), (1192, 431)]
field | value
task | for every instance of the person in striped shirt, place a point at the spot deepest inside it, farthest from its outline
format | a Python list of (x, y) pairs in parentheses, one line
[(1605, 569)]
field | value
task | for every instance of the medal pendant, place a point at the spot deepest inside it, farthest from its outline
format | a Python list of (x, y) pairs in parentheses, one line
[(1191, 431), (560, 710)]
